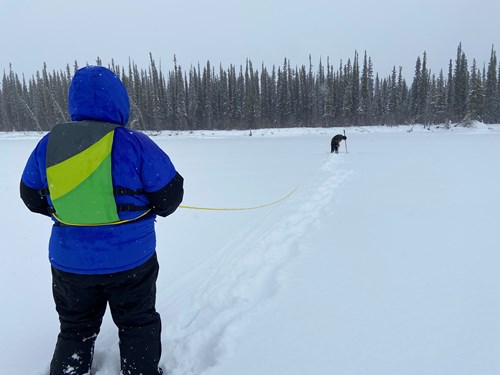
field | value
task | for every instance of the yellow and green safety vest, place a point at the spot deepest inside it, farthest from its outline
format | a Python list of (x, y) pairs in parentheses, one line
[(79, 173)]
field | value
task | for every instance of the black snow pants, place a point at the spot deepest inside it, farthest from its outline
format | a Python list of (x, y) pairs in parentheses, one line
[(335, 147), (81, 301)]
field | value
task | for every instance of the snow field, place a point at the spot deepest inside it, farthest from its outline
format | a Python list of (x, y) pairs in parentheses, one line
[(383, 261)]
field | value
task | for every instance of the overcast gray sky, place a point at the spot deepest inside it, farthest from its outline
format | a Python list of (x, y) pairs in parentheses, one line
[(393, 32)]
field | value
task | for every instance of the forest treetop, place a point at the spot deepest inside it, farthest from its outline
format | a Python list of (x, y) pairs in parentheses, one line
[(248, 97)]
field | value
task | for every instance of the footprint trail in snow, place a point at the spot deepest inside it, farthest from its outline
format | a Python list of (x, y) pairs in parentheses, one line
[(199, 309)]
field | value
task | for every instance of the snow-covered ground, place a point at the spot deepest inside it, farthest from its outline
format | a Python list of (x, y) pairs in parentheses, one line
[(384, 261)]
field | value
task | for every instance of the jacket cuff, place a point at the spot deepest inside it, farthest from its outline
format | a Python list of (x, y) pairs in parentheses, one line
[(33, 200), (166, 200)]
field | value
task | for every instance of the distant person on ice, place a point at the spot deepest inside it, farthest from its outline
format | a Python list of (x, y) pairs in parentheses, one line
[(336, 142), (103, 185)]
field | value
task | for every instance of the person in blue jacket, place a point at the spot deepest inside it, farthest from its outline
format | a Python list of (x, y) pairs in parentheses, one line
[(103, 185)]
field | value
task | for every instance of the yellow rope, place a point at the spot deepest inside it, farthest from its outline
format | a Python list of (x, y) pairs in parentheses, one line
[(238, 208), (190, 208)]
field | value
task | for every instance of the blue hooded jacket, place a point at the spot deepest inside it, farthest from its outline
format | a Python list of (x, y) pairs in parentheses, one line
[(97, 94)]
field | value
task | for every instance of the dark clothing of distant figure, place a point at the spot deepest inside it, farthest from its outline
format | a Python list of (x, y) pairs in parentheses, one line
[(336, 142), (103, 185)]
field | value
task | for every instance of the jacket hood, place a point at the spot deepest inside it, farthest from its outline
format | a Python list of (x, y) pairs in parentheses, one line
[(96, 93)]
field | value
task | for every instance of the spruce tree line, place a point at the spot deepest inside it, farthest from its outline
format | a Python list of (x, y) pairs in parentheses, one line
[(284, 96)]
